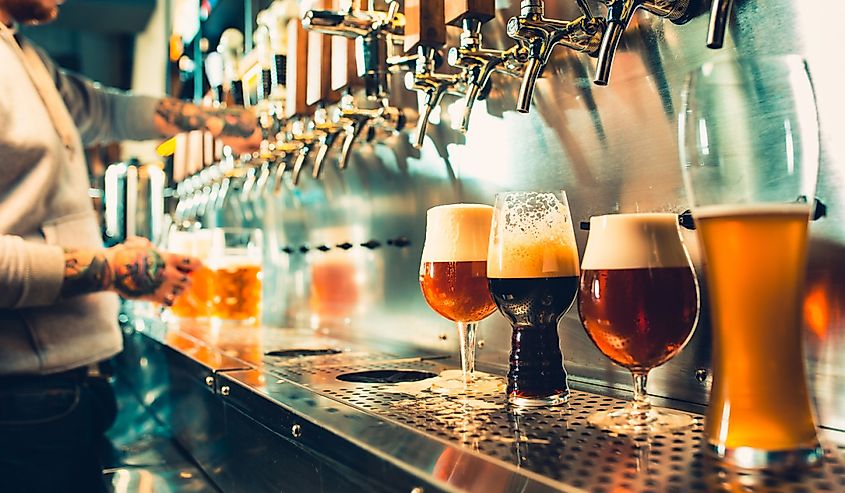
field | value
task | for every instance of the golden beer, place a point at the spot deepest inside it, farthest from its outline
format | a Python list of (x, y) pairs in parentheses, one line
[(236, 291), (194, 302), (756, 257)]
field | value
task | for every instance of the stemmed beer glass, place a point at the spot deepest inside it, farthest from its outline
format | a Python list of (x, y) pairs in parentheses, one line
[(639, 303), (532, 266), (453, 271), (749, 151)]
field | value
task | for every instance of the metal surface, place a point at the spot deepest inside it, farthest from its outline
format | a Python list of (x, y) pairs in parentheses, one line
[(611, 148)]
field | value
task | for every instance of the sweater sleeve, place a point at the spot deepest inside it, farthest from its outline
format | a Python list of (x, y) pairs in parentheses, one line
[(31, 274), (104, 114)]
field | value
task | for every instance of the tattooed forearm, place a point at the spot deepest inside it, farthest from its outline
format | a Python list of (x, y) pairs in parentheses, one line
[(174, 115), (86, 271), (137, 272)]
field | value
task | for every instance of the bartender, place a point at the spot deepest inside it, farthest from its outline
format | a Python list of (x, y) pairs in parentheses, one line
[(58, 309)]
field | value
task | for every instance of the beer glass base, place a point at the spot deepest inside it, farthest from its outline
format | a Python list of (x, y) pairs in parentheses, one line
[(545, 401), (753, 458), (628, 422)]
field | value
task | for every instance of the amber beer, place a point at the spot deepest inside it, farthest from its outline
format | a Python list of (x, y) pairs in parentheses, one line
[(236, 290), (194, 301), (453, 272), (639, 317), (638, 297), (457, 290), (756, 257)]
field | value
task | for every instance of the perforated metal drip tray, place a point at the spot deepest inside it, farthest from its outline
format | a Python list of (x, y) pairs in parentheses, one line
[(558, 443)]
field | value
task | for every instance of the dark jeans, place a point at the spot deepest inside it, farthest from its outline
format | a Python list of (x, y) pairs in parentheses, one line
[(51, 428)]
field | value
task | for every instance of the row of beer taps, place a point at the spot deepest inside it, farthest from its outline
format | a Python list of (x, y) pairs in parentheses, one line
[(305, 110)]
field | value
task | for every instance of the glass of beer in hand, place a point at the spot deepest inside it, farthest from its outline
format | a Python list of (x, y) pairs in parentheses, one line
[(235, 263), (749, 152), (453, 271), (195, 301), (638, 300), (532, 266)]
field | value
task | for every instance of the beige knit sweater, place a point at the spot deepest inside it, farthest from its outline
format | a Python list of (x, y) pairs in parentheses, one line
[(45, 114)]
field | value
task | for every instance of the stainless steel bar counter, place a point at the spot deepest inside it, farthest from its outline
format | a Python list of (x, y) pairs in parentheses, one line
[(271, 409)]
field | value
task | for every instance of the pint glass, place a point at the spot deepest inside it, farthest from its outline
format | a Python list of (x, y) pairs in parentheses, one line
[(532, 266), (235, 264), (749, 151), (195, 301)]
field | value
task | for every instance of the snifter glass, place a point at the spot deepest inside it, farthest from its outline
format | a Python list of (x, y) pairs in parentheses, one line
[(453, 272), (532, 266), (749, 143), (638, 301)]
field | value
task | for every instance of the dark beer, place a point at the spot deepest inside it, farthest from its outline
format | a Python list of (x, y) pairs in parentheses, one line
[(457, 290), (533, 306), (639, 318)]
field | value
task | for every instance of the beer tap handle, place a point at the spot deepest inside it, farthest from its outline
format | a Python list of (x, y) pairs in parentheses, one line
[(296, 102), (231, 48), (214, 74), (719, 12)]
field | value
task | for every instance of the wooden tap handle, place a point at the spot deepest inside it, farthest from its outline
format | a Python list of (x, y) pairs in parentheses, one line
[(425, 24), (297, 69), (458, 10), (344, 69), (319, 87)]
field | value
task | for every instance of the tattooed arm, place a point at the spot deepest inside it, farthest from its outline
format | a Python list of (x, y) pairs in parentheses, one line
[(134, 269), (236, 127)]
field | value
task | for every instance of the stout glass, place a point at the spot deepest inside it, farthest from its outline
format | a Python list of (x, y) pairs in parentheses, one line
[(453, 271), (235, 264), (749, 152), (532, 266), (638, 301)]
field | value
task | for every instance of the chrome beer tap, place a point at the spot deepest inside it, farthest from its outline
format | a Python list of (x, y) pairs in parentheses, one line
[(619, 15), (539, 36), (478, 63), (330, 126), (383, 116), (720, 10)]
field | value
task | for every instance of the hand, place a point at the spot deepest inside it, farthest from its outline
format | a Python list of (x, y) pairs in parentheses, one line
[(235, 126), (140, 271)]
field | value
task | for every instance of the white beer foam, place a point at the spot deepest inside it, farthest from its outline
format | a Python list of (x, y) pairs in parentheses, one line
[(634, 241), (233, 262), (457, 233), (536, 240), (751, 209)]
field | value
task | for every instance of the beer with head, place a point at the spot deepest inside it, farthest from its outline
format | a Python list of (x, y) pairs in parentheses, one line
[(532, 266), (453, 270), (638, 301), (235, 264), (756, 256)]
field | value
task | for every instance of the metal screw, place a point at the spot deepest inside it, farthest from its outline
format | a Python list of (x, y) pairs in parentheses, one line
[(701, 375), (224, 390), (209, 380), (442, 336), (481, 344), (296, 431)]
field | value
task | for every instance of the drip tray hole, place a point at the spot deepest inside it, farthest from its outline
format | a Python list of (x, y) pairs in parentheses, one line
[(386, 376), (302, 352)]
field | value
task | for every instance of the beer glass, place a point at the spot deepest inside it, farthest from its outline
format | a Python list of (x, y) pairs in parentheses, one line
[(749, 149), (638, 300), (453, 271), (235, 263), (532, 266), (195, 301)]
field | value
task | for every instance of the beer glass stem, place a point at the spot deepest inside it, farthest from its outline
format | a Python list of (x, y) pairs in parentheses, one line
[(466, 331), (640, 405)]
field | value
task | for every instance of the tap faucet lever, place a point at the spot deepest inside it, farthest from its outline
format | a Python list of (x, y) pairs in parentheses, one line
[(719, 12), (619, 15), (539, 35)]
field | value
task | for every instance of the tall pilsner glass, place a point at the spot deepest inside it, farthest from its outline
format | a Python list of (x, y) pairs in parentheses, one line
[(453, 271), (533, 269), (749, 151)]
